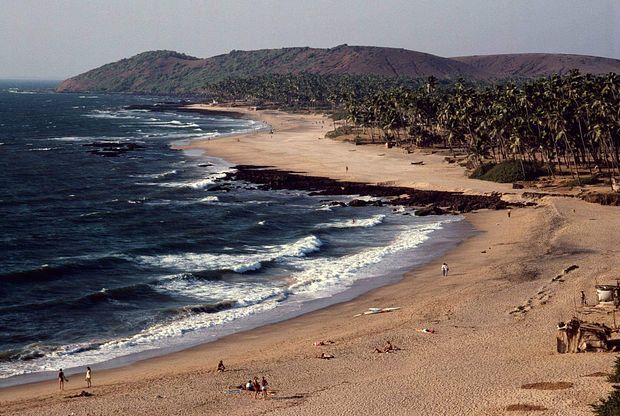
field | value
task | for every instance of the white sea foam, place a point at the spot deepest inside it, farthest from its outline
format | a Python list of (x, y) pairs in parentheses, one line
[(90, 214), (205, 200), (70, 139), (353, 223), (90, 139), (194, 184), (110, 114), (175, 124), (156, 175), (316, 277), (16, 91), (116, 114), (249, 299), (242, 262), (320, 276), (181, 135)]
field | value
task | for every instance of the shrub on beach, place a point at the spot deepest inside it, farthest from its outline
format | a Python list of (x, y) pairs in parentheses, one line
[(508, 171), (609, 406), (481, 170), (584, 180), (340, 131), (615, 377)]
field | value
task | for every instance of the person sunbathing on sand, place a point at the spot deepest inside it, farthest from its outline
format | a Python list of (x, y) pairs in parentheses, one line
[(220, 367), (324, 356), (388, 347)]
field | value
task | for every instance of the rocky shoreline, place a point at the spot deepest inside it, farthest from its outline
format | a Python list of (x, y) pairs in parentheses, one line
[(427, 202)]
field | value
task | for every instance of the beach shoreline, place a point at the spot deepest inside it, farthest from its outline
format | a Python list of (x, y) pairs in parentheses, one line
[(357, 289), (450, 235), (510, 260)]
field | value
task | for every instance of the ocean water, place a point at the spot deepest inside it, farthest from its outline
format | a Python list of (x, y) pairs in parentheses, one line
[(104, 258)]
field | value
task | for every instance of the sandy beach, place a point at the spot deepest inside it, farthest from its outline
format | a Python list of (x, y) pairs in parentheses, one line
[(476, 361)]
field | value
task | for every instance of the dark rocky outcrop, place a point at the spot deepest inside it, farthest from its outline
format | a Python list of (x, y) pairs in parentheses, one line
[(431, 202), (112, 149), (220, 188), (431, 210), (365, 203), (602, 198)]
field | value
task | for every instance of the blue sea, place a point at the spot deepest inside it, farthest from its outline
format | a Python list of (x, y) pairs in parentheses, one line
[(105, 259)]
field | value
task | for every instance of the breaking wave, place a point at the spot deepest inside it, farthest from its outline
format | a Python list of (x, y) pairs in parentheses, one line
[(239, 263)]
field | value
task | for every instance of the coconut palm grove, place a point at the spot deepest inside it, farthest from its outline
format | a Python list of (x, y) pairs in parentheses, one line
[(557, 125)]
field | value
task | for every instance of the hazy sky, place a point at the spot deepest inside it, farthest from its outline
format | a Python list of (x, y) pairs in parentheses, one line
[(58, 39)]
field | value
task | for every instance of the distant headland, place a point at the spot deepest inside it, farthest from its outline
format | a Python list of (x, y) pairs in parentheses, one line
[(169, 72)]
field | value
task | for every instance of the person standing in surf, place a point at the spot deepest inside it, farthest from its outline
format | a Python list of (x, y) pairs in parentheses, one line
[(89, 376), (62, 379)]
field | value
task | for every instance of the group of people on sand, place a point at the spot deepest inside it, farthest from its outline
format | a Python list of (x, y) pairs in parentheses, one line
[(444, 269), (62, 378), (259, 387), (323, 355)]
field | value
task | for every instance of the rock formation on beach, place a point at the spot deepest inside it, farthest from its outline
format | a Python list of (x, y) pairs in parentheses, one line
[(430, 202)]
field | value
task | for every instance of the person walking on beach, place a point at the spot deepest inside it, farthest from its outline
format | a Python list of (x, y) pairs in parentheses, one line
[(509, 211), (263, 387), (444, 269), (62, 379), (89, 377)]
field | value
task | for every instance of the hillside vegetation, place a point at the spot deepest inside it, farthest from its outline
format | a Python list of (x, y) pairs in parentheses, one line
[(168, 72)]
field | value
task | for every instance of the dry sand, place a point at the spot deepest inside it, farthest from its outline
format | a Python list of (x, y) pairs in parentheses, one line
[(475, 362), (298, 144)]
